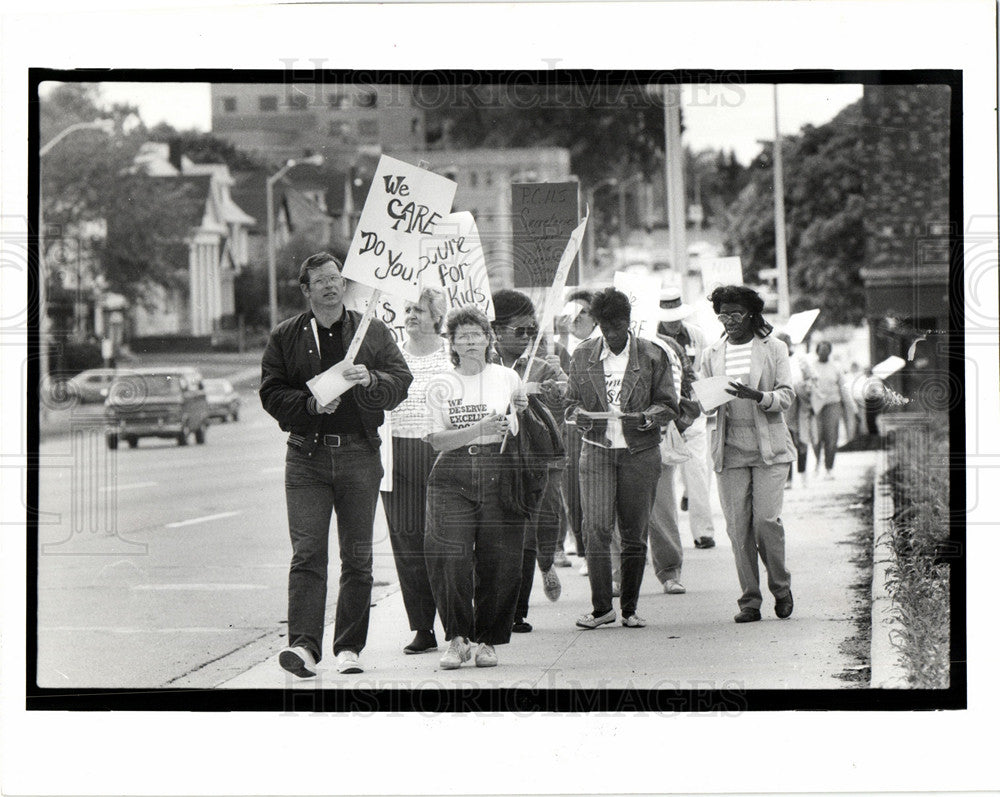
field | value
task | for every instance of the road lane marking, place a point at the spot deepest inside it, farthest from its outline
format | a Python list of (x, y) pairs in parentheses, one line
[(202, 519), (134, 486)]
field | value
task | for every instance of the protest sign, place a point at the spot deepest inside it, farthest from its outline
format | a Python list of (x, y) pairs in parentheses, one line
[(390, 310), (711, 392), (404, 205), (799, 324), (718, 271), (643, 291), (543, 217), (453, 260)]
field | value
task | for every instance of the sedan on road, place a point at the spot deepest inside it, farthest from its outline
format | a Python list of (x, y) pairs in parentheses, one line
[(223, 403), (91, 386)]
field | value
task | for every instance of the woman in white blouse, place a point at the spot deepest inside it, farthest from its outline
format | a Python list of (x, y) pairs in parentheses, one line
[(472, 543), (412, 458)]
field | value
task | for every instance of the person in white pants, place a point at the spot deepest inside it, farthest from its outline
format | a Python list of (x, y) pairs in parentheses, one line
[(694, 472)]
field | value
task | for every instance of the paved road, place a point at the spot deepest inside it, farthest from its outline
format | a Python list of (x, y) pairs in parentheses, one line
[(157, 560)]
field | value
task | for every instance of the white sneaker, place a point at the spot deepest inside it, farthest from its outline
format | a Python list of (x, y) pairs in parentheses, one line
[(486, 656), (551, 585), (347, 663), (583, 568), (298, 661), (459, 651), (673, 587)]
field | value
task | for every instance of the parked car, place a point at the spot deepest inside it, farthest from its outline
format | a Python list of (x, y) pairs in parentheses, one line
[(156, 402), (91, 386), (223, 403)]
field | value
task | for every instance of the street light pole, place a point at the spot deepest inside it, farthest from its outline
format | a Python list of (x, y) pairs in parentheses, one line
[(107, 127), (673, 156), (272, 266), (780, 244)]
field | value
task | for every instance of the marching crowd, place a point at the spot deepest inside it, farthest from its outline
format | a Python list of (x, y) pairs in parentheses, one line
[(502, 448)]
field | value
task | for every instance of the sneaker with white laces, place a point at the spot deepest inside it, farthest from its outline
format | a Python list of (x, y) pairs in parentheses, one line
[(551, 585), (459, 651), (673, 587), (298, 661), (486, 656), (633, 621), (347, 663), (561, 560), (591, 622), (584, 571)]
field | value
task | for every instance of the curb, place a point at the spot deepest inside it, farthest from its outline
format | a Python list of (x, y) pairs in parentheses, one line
[(887, 670)]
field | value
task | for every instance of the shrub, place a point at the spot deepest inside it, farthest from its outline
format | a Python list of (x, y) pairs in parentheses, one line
[(919, 573)]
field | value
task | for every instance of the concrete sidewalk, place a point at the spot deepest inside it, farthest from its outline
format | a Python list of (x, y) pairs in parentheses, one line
[(691, 641)]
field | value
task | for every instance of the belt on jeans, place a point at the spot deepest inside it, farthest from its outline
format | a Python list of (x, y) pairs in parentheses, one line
[(328, 440), (482, 450)]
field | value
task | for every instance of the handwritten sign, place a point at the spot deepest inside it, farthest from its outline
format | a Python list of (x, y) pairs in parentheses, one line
[(544, 215), (718, 271), (453, 261), (404, 205), (643, 291), (799, 324), (390, 310)]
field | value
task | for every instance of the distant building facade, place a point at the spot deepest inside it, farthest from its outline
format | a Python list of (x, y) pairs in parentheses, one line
[(279, 121), (907, 181)]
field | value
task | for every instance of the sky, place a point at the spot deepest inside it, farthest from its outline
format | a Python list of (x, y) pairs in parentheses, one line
[(725, 116)]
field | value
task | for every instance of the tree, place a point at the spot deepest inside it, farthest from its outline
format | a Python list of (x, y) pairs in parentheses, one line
[(89, 177), (205, 148), (824, 207)]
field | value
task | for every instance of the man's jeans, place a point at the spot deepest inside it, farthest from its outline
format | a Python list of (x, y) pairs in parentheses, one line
[(615, 482), (344, 480)]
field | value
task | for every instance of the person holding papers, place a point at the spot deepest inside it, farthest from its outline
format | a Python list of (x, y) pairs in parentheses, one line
[(621, 393), (412, 458), (751, 445), (473, 542), (332, 461)]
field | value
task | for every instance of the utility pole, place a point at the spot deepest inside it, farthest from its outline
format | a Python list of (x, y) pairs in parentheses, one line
[(780, 244), (674, 158)]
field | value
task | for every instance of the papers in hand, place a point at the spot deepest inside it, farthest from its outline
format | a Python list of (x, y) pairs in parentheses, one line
[(331, 383), (711, 392)]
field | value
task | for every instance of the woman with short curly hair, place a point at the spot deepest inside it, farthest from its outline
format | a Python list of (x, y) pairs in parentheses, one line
[(751, 444)]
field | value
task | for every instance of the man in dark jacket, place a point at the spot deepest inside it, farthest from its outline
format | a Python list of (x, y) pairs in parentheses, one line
[(332, 462), (621, 393)]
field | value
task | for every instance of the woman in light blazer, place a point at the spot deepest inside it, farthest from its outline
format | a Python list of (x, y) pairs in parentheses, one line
[(751, 444)]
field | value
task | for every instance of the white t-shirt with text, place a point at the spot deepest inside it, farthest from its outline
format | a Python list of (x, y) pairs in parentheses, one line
[(456, 401)]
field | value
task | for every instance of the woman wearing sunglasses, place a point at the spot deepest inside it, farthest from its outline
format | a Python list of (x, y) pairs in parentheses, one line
[(751, 444)]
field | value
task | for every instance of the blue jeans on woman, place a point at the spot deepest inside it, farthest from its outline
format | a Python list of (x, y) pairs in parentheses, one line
[(344, 480)]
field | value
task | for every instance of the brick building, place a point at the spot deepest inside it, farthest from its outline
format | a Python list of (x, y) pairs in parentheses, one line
[(907, 180)]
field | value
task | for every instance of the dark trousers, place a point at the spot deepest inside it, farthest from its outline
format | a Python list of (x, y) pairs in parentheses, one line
[(405, 512), (473, 548), (617, 484), (802, 450), (541, 536), (828, 421), (344, 480), (571, 486)]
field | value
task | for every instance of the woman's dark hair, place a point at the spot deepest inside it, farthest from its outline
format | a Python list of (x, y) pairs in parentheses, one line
[(508, 304), (581, 296), (610, 305), (745, 297), (471, 316)]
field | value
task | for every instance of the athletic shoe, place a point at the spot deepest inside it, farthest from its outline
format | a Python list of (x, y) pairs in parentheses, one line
[(633, 621), (459, 651), (347, 663), (551, 585), (561, 560), (486, 656), (673, 587), (589, 621), (298, 661), (704, 542)]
